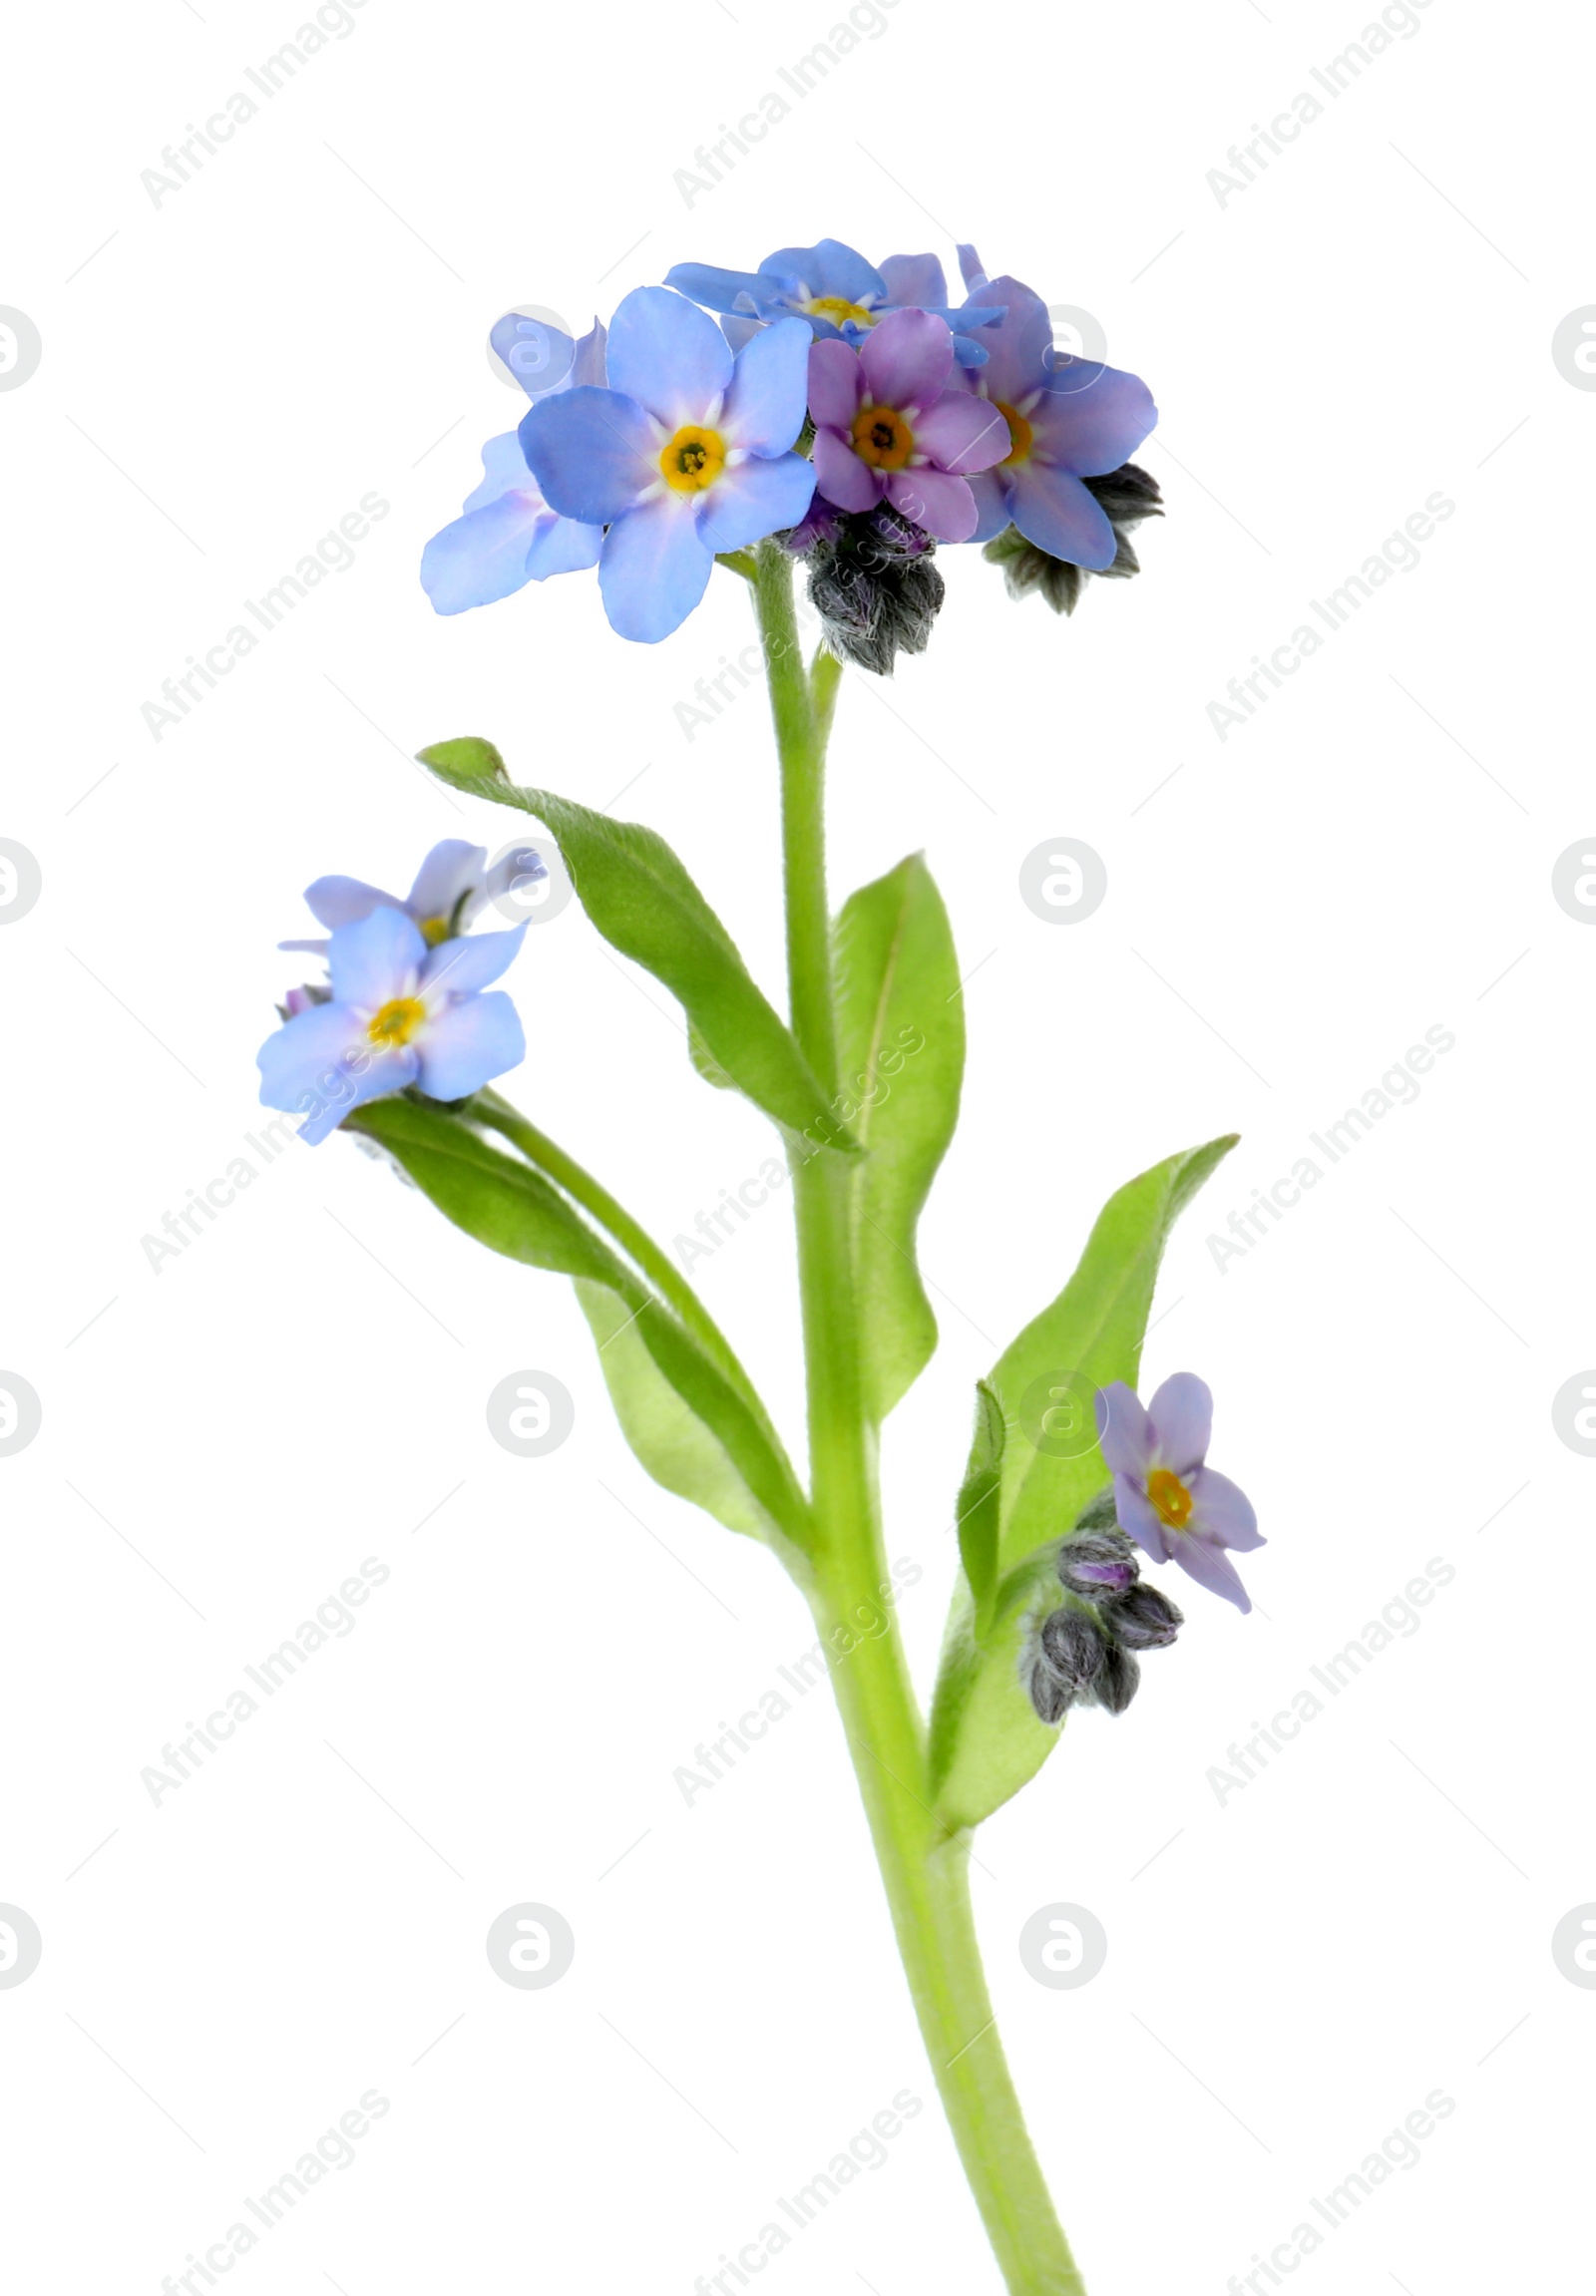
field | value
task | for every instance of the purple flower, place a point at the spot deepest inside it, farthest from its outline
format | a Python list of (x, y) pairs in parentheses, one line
[(509, 536), (1067, 421), (688, 454), (400, 1014), (1173, 1506), (453, 886), (834, 289), (888, 427)]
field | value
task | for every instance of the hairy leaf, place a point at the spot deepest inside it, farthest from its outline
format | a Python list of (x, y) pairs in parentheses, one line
[(900, 1050), (644, 902), (515, 1211), (1090, 1334)]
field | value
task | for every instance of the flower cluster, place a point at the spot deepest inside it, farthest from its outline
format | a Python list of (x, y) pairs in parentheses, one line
[(1085, 1651), (1176, 1508), (824, 391), (408, 1002)]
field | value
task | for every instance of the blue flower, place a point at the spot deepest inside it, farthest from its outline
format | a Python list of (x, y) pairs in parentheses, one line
[(686, 454), (509, 536), (1067, 421), (400, 1014), (836, 291), (1172, 1503), (453, 886)]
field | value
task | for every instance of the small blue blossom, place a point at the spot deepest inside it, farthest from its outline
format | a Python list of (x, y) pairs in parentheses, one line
[(1067, 420), (453, 886), (508, 535), (686, 454), (840, 295), (400, 1014), (1175, 1506)]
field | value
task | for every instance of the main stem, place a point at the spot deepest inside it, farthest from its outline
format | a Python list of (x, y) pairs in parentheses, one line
[(923, 1867)]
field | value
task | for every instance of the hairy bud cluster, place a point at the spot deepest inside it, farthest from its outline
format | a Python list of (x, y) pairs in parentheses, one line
[(1086, 1652), (1127, 496), (872, 583)]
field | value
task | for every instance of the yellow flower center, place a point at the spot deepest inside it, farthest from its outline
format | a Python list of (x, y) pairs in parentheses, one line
[(1170, 1498), (694, 460), (882, 438), (396, 1021), (434, 929), (1020, 432), (839, 310)]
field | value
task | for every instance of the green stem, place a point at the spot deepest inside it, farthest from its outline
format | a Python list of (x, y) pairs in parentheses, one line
[(497, 1115), (923, 1868)]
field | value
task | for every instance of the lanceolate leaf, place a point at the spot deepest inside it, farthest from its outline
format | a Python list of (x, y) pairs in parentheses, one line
[(645, 904), (670, 1440), (1090, 1334), (512, 1208), (900, 1049), (1026, 1488)]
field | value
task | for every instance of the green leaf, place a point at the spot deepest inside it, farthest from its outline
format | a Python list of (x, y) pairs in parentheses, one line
[(900, 1049), (506, 1204), (704, 1061), (986, 1740), (644, 902), (978, 1499), (1090, 1334), (670, 1439)]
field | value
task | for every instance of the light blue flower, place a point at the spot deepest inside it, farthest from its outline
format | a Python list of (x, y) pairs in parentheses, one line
[(1069, 419), (453, 886), (686, 454), (834, 289), (1174, 1505), (509, 536), (400, 1014)]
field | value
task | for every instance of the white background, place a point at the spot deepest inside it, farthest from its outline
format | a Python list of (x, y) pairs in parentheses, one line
[(223, 376)]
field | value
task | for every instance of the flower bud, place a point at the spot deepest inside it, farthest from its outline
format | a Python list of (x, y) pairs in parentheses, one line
[(873, 584), (1145, 1619), (1048, 1695), (1075, 1648), (1097, 1563), (1117, 1680)]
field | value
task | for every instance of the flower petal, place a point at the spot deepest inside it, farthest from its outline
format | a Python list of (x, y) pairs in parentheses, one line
[(943, 504), (503, 467), (1138, 1518), (906, 359), (592, 452), (1223, 1513), (829, 267), (765, 409), (1182, 1415), (375, 958), (668, 355), (321, 1064), (1020, 347), (755, 499), (485, 555), (655, 568), (1056, 512), (336, 901), (991, 490), (1093, 418), (970, 269), (961, 433), (1124, 1434), (463, 966), (842, 477), (1212, 1568), (717, 289), (469, 1042), (538, 355), (915, 279), (836, 381), (451, 869)]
